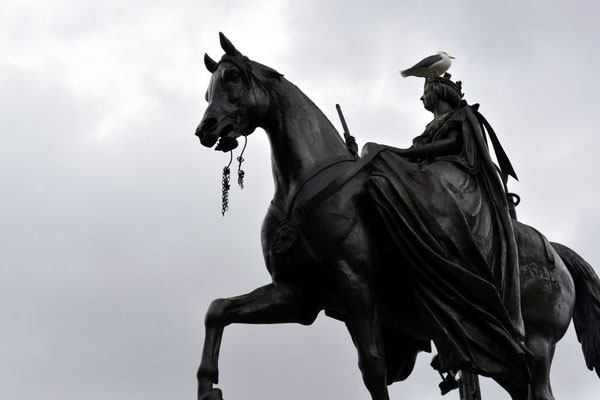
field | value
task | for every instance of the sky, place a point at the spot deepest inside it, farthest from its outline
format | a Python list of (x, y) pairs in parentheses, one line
[(112, 244)]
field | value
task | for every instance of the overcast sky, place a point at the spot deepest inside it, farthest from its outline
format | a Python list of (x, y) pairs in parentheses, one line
[(112, 244)]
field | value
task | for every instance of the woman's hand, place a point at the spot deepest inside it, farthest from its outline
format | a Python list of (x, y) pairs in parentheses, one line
[(442, 147)]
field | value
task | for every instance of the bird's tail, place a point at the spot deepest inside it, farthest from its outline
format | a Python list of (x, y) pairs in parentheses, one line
[(406, 72)]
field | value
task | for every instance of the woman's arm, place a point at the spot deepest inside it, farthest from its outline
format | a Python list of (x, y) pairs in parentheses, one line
[(443, 147)]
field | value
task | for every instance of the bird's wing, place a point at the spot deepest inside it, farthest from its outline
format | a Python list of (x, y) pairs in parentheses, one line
[(427, 61)]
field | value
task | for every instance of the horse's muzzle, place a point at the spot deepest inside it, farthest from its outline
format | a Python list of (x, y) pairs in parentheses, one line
[(206, 132)]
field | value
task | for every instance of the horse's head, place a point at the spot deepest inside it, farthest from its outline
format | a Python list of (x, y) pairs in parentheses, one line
[(238, 98)]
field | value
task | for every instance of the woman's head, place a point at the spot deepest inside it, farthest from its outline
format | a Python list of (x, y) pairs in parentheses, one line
[(441, 89)]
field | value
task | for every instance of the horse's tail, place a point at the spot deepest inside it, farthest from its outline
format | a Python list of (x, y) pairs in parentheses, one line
[(586, 315)]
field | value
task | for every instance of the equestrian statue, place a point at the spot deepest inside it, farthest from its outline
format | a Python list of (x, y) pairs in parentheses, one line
[(405, 246)]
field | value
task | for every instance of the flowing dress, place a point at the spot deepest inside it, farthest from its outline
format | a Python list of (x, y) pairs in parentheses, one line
[(447, 221)]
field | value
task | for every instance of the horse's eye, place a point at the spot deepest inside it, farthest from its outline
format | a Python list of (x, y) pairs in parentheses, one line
[(231, 75)]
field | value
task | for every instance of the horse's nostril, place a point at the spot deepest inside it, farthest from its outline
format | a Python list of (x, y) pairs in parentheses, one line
[(209, 124), (206, 131)]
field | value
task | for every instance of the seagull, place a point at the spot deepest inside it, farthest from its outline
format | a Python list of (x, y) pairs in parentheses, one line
[(430, 66)]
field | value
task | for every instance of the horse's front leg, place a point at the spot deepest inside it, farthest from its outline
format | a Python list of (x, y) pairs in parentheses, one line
[(356, 292), (270, 304)]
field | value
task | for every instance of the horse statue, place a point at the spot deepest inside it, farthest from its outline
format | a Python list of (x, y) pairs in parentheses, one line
[(363, 239)]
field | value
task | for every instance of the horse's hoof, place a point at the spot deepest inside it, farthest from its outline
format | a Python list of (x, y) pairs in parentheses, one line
[(214, 394)]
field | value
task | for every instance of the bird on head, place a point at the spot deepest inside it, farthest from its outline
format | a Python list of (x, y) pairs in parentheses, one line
[(431, 66)]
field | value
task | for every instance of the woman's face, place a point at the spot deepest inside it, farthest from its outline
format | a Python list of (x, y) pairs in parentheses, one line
[(429, 98)]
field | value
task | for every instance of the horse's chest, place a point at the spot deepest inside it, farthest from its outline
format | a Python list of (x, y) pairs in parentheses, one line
[(305, 243)]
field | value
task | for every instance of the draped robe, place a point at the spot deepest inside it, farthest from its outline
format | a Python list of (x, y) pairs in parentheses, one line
[(447, 220)]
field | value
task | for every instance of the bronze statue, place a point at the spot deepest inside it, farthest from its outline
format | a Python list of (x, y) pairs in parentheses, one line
[(403, 245)]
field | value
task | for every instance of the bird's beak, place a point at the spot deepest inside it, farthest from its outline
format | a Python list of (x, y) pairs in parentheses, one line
[(451, 57)]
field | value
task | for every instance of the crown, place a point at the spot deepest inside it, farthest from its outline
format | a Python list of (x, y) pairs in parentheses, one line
[(445, 80)]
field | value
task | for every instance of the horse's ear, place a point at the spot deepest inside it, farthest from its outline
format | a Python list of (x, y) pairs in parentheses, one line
[(228, 46), (211, 65)]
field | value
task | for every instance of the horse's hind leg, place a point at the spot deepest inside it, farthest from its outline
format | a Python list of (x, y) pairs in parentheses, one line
[(539, 388), (270, 304), (540, 377), (363, 320)]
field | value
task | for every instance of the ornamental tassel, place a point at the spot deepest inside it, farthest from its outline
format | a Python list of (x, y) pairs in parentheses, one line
[(226, 186)]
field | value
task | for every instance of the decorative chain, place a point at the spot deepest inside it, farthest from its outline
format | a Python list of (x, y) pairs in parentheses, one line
[(240, 160), (241, 172), (225, 181)]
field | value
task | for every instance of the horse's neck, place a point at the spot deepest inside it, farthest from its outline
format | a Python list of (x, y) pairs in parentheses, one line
[(301, 138)]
